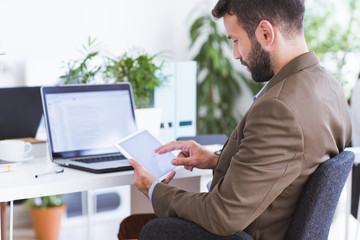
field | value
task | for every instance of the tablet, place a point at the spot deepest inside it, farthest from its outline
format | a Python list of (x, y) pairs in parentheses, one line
[(140, 146)]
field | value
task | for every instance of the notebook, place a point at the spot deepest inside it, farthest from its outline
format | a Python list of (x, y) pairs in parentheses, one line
[(20, 112), (83, 122)]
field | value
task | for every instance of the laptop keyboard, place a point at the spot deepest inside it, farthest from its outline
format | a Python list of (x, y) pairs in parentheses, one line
[(102, 158)]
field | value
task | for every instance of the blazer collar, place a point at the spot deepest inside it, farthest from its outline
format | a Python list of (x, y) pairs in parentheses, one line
[(297, 64)]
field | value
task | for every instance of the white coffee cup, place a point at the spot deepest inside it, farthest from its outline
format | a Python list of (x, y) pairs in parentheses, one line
[(14, 150)]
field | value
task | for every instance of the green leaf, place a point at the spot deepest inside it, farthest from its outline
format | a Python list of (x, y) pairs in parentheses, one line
[(217, 89)]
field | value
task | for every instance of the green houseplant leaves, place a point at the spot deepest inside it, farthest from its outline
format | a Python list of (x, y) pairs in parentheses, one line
[(80, 71), (136, 67), (332, 33), (218, 83), (45, 202), (141, 71)]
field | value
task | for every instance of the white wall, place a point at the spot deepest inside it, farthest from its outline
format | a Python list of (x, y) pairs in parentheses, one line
[(39, 33)]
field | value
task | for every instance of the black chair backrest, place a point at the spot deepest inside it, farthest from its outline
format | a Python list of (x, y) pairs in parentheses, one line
[(315, 210)]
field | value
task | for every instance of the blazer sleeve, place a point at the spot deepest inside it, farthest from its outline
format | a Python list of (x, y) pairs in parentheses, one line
[(268, 159)]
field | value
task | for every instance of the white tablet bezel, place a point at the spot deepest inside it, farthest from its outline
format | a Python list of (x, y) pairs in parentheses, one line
[(128, 155)]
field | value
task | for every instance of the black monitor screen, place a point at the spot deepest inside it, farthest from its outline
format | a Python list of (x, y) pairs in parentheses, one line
[(20, 112)]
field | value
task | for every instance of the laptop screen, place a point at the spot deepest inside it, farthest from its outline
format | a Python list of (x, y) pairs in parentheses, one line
[(87, 119)]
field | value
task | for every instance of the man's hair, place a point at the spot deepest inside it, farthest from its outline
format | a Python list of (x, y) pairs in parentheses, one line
[(286, 15)]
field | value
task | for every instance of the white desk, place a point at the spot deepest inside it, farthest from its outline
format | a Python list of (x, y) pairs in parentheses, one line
[(22, 184)]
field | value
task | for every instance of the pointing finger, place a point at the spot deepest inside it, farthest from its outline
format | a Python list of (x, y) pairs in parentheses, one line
[(182, 161), (170, 147)]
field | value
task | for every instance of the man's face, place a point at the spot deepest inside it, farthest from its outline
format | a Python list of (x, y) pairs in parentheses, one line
[(249, 52)]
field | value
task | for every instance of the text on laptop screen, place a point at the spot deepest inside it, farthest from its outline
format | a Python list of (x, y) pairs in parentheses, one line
[(89, 121)]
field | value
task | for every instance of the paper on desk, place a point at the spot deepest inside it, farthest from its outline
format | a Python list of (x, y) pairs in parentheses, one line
[(15, 175), (7, 166)]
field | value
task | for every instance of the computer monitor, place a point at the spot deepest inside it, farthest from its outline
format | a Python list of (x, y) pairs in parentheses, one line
[(20, 112)]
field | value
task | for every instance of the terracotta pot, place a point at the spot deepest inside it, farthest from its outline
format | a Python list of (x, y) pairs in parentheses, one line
[(46, 222)]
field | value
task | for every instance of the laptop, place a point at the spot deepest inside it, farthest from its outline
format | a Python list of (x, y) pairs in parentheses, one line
[(20, 112), (84, 121)]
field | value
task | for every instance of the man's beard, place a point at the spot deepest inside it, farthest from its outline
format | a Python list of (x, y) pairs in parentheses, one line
[(259, 63)]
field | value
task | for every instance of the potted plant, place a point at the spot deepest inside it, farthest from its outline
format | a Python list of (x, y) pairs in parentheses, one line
[(144, 75), (46, 213), (84, 70), (140, 70), (218, 85), (135, 66)]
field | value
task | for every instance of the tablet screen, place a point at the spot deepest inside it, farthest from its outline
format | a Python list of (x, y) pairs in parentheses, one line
[(141, 147)]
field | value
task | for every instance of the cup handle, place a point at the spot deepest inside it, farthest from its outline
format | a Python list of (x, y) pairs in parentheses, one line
[(28, 148)]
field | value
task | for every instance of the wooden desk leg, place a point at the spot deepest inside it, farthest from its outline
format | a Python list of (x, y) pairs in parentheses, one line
[(3, 220)]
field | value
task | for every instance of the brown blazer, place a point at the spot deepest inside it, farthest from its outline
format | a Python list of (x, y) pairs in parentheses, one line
[(298, 121)]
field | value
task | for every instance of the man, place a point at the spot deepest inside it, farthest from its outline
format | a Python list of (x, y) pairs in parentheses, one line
[(299, 120)]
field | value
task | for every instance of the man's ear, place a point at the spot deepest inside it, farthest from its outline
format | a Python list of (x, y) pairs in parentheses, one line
[(265, 34)]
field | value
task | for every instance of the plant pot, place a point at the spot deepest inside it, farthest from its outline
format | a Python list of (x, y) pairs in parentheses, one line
[(46, 222)]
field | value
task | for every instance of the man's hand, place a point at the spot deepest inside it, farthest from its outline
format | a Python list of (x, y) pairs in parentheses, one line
[(143, 179), (192, 155)]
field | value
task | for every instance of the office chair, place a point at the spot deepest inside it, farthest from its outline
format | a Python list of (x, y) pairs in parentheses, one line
[(315, 209), (316, 206)]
